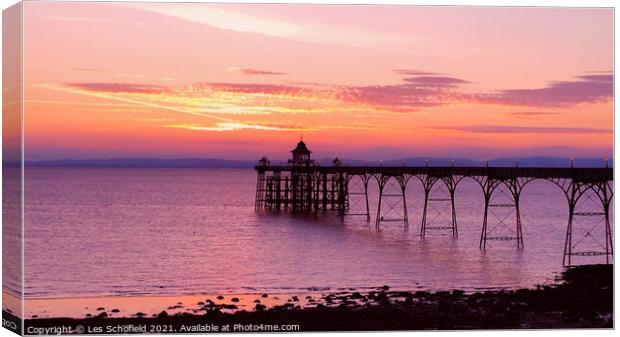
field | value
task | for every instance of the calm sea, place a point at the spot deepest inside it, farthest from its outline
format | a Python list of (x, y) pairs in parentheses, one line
[(107, 232)]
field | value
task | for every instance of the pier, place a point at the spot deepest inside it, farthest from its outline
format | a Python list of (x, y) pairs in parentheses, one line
[(304, 186)]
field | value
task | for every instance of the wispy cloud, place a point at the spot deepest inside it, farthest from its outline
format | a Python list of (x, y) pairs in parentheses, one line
[(155, 120), (532, 114), (522, 129), (251, 88), (79, 103), (121, 87), (94, 20), (221, 127), (435, 81), (237, 106), (222, 18), (252, 71), (282, 27), (138, 101), (411, 95), (585, 89)]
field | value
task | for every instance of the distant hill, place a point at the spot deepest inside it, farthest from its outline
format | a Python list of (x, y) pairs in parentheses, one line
[(145, 163), (224, 163)]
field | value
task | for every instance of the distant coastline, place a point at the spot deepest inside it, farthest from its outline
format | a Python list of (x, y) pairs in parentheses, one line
[(226, 163)]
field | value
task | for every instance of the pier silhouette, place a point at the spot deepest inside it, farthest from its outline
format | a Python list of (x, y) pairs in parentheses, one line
[(305, 186)]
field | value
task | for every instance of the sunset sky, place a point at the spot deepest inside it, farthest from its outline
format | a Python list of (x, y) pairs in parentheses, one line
[(109, 80)]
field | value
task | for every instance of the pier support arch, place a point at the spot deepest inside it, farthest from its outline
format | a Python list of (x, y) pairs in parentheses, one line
[(439, 199), (357, 195), (589, 203), (501, 202), (392, 188)]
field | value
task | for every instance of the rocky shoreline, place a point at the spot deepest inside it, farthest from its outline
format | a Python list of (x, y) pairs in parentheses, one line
[(584, 299)]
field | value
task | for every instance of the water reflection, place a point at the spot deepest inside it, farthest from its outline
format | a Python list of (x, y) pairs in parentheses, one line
[(99, 232)]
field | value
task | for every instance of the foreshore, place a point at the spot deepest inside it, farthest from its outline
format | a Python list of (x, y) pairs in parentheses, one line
[(583, 299)]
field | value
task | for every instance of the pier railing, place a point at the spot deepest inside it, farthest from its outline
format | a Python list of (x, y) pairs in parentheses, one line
[(602, 174)]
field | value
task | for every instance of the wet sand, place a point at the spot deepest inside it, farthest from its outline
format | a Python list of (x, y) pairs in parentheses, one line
[(127, 306), (584, 299)]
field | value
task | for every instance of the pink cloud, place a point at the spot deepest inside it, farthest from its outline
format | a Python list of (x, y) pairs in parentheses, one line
[(435, 81), (250, 88), (415, 92), (531, 114), (586, 89), (251, 71), (410, 95), (121, 87)]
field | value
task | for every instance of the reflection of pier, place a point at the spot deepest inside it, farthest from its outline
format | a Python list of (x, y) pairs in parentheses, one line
[(303, 186)]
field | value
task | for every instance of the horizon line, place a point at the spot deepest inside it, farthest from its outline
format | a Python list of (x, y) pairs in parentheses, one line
[(196, 162)]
